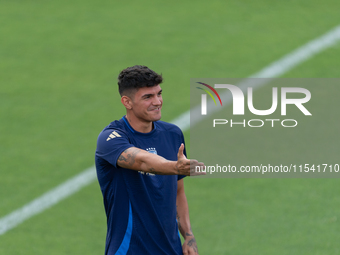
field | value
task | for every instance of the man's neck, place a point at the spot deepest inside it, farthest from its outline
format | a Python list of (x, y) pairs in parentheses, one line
[(138, 125)]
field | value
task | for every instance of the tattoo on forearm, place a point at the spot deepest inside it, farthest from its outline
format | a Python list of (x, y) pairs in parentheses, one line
[(178, 221), (153, 171), (128, 159)]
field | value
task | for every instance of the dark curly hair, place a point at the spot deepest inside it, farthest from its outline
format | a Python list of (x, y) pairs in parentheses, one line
[(135, 77)]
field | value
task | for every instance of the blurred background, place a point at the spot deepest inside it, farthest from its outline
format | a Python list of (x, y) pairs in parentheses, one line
[(59, 62)]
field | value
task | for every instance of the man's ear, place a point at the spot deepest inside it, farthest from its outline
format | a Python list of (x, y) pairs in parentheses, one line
[(127, 102)]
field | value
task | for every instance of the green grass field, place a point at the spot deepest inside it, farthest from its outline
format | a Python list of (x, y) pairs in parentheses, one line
[(58, 64)]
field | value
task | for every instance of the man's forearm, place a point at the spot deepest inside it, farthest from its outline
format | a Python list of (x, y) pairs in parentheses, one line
[(183, 216), (183, 219), (140, 160), (158, 165)]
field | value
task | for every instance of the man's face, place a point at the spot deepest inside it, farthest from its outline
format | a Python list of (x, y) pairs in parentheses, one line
[(147, 103)]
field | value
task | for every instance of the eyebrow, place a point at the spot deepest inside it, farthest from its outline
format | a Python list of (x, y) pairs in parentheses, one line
[(146, 95)]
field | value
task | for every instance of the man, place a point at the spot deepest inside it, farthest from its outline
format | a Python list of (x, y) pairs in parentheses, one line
[(140, 165)]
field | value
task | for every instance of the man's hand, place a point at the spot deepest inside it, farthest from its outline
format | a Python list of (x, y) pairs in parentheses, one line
[(186, 166), (189, 246)]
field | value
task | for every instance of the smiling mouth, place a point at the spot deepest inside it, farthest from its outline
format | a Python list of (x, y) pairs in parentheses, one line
[(156, 109)]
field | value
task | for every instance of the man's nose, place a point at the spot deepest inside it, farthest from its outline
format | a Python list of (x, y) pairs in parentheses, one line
[(157, 101)]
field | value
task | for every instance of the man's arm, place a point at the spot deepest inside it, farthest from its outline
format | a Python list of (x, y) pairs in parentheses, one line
[(141, 160), (189, 246)]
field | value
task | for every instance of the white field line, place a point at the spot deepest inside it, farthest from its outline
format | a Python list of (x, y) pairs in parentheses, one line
[(47, 200), (86, 177)]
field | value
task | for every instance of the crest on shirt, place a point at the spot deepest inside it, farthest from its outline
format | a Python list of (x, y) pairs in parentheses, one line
[(152, 150), (114, 134)]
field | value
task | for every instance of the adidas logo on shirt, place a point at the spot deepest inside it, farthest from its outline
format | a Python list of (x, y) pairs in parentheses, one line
[(114, 134)]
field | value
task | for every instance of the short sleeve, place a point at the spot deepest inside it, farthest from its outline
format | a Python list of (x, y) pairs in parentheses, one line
[(110, 145)]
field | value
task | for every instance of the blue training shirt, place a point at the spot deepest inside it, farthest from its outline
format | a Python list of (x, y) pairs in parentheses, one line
[(140, 207)]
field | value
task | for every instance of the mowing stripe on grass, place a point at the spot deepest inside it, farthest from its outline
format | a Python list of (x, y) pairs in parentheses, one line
[(83, 179)]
